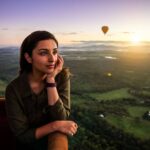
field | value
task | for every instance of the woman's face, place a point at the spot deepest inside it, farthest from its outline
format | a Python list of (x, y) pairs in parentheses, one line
[(44, 56)]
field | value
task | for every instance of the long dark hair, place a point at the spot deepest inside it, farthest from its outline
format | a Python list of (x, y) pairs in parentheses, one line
[(27, 46)]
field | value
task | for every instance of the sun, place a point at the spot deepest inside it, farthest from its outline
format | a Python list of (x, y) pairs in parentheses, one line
[(135, 39)]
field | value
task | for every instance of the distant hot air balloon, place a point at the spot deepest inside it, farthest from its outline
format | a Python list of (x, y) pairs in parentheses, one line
[(105, 29), (109, 74)]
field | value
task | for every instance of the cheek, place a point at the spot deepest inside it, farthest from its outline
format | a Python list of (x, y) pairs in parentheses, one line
[(38, 60), (56, 58)]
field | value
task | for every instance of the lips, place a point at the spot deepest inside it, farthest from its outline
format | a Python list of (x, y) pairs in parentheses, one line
[(51, 66)]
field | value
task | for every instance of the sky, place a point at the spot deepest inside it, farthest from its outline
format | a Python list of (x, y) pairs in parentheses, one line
[(75, 20)]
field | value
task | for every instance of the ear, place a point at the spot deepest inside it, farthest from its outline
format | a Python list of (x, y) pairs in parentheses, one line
[(28, 58)]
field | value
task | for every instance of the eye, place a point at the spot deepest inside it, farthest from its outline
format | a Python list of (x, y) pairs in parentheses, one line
[(55, 51), (43, 53)]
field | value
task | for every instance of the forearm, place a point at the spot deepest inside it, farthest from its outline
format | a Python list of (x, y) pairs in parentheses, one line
[(52, 93), (65, 127), (45, 130), (59, 104), (57, 111)]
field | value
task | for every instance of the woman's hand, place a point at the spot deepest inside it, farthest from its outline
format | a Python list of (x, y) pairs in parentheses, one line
[(67, 127), (59, 64), (58, 67)]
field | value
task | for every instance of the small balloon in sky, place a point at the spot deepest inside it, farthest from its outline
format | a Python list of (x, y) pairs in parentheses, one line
[(105, 29), (109, 74)]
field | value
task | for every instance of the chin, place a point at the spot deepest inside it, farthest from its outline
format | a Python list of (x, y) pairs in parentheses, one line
[(50, 71)]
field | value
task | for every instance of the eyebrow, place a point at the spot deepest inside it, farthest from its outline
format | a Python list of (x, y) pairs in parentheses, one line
[(45, 49)]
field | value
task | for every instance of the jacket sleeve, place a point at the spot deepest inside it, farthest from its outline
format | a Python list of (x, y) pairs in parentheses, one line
[(16, 117), (61, 109)]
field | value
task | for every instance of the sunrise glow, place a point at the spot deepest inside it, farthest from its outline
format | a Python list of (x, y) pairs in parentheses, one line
[(135, 39)]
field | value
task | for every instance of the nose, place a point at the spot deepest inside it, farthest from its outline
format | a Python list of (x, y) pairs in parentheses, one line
[(51, 58)]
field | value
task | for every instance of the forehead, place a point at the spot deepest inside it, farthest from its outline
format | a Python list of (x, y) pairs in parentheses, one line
[(49, 44)]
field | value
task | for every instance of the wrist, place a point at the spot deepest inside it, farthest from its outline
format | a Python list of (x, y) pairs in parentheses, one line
[(50, 84), (50, 80), (55, 126)]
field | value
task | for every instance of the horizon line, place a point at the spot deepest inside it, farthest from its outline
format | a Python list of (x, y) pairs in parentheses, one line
[(80, 41)]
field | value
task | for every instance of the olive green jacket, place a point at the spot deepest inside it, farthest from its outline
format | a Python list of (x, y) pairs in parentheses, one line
[(26, 110)]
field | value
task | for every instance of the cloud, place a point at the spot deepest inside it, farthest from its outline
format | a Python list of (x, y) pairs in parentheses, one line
[(118, 33), (127, 32), (97, 42), (68, 33), (91, 46), (4, 29)]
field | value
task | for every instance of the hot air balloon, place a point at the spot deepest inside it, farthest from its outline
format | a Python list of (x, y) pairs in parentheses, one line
[(109, 74), (105, 29)]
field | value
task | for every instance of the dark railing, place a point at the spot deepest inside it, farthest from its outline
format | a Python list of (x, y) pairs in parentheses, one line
[(56, 140)]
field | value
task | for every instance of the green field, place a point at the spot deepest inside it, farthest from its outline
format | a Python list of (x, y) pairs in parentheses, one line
[(131, 121), (134, 125), (137, 111), (111, 95)]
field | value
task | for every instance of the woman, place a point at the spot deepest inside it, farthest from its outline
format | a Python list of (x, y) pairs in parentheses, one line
[(38, 100)]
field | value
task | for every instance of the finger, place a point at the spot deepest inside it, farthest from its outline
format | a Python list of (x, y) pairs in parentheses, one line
[(60, 58), (70, 133), (75, 125), (73, 130)]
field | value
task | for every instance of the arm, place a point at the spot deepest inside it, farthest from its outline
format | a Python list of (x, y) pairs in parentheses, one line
[(60, 110), (19, 122), (59, 98)]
